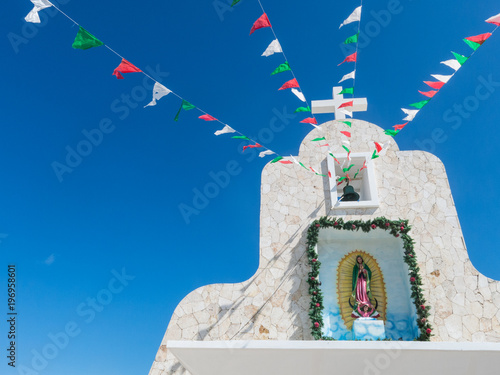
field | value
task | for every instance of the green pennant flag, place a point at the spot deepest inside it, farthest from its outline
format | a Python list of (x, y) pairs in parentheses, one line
[(345, 148), (303, 109), (319, 139), (355, 174), (348, 123), (352, 39), (391, 132), (342, 179), (184, 106), (421, 104), (85, 40), (241, 137), (348, 168), (374, 156), (282, 68), (349, 90), (303, 165), (235, 2), (472, 44), (461, 59), (276, 159)]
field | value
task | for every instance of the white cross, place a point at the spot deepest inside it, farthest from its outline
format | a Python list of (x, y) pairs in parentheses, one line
[(332, 105)]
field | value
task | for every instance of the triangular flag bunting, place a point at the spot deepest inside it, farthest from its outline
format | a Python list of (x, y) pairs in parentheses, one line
[(207, 117), (276, 159), (310, 120), (434, 85), (345, 148), (273, 48), (285, 162), (352, 39), (264, 153), (235, 2), (460, 58), (479, 39), (33, 16), (348, 123), (184, 106), (251, 146), (347, 104), (355, 16), (347, 134), (263, 21), (282, 68), (241, 137), (159, 91), (391, 132), (289, 84), (125, 67), (350, 58), (349, 90), (348, 168), (472, 45), (429, 94), (302, 109), (441, 78), (421, 104), (495, 20), (399, 127), (348, 76), (453, 64), (411, 113), (374, 155), (85, 40), (378, 147), (299, 95), (318, 139), (226, 129), (334, 158)]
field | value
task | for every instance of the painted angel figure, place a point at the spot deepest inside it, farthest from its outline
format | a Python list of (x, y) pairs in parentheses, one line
[(365, 312)]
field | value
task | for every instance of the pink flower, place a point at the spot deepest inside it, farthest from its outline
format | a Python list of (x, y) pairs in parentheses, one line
[(412, 279), (353, 226), (314, 260), (428, 330), (317, 305), (423, 320), (373, 226), (336, 223), (402, 228), (316, 324), (317, 225), (315, 292), (312, 278), (422, 307), (397, 235), (387, 224)]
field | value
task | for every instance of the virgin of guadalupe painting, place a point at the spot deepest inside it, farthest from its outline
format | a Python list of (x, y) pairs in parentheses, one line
[(360, 288)]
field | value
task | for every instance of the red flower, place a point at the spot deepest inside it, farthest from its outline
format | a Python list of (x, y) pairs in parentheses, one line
[(422, 307), (317, 305), (412, 279), (316, 324), (353, 226), (428, 330), (387, 224), (397, 235), (312, 278), (423, 320), (373, 226), (411, 255), (317, 225), (336, 223), (402, 228), (315, 292), (314, 260)]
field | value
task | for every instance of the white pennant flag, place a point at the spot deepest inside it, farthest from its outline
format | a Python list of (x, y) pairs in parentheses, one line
[(33, 16), (273, 48), (411, 114), (159, 91), (355, 16), (225, 129), (442, 78), (299, 95), (347, 143), (345, 112), (453, 64), (264, 153), (348, 76)]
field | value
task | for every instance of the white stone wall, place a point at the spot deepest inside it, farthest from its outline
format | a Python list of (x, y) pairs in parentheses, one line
[(274, 303)]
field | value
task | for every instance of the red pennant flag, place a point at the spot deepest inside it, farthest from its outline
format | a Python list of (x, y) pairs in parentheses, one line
[(251, 146), (480, 39), (399, 127), (263, 21), (346, 104), (434, 85), (324, 145), (364, 166), (429, 94), (208, 118), (289, 84), (350, 58), (285, 162), (125, 67), (329, 174), (378, 147), (347, 134), (310, 120)]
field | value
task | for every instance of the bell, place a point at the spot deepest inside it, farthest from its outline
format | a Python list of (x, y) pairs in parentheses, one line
[(349, 194)]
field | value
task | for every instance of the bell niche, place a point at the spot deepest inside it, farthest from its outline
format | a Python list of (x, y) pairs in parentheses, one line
[(358, 189)]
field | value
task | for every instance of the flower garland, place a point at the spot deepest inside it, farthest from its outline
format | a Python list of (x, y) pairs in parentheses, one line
[(397, 228)]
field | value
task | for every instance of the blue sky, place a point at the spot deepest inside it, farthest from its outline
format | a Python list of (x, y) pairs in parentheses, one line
[(117, 212)]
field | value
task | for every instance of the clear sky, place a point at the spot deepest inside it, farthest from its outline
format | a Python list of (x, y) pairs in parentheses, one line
[(117, 212)]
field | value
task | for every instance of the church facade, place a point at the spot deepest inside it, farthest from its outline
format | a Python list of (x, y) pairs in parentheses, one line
[(277, 302)]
